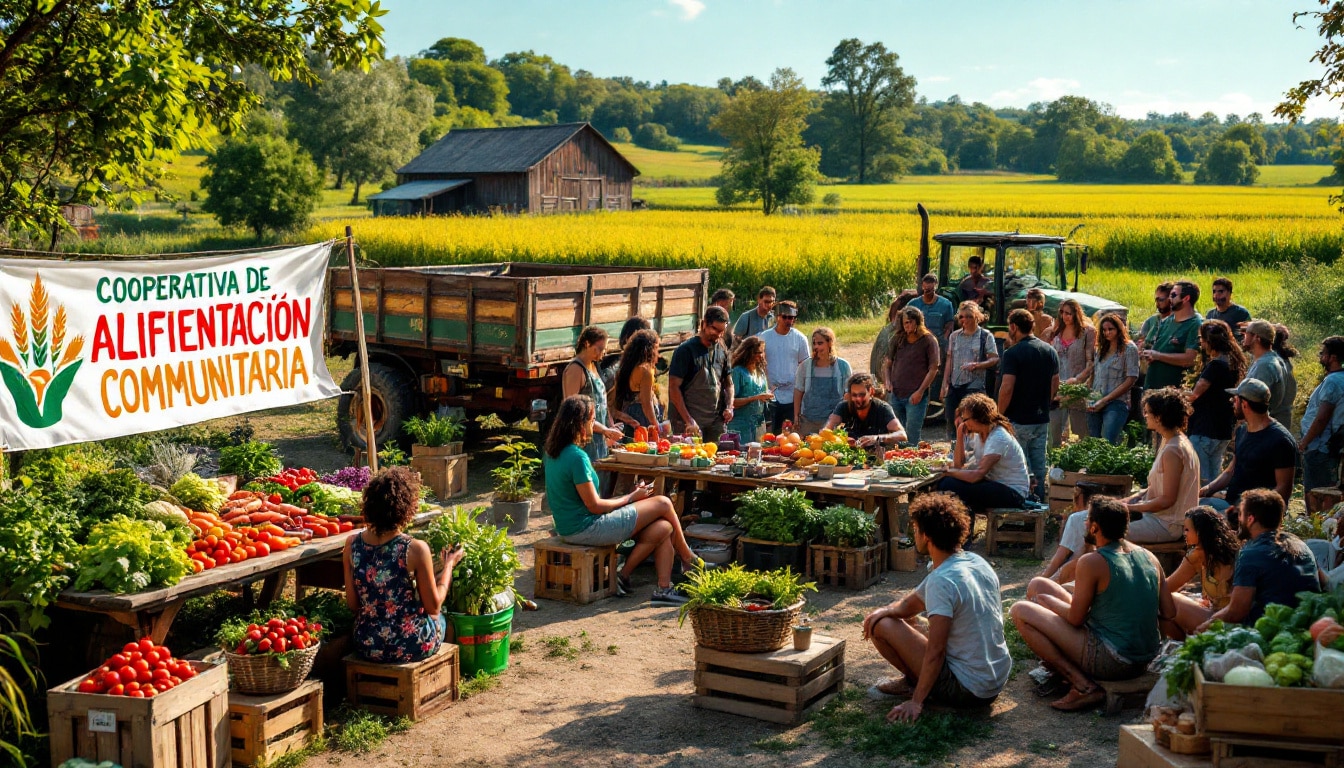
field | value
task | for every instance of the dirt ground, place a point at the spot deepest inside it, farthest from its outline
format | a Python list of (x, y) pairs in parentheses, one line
[(625, 697)]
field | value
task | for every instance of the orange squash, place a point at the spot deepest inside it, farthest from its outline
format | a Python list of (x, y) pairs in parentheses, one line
[(641, 435)]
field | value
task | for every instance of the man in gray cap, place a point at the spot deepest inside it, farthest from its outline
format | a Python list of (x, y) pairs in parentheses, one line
[(1267, 366), (1266, 454)]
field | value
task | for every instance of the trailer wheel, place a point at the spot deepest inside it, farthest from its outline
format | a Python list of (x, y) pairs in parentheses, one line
[(395, 397)]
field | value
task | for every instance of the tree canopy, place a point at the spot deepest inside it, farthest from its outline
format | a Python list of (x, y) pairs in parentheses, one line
[(766, 161), (868, 90), (96, 97), (263, 181)]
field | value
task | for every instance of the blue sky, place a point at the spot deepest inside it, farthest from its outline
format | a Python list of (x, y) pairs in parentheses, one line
[(1137, 55)]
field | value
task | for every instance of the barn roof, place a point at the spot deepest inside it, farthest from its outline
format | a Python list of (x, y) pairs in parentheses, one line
[(419, 190), (498, 150)]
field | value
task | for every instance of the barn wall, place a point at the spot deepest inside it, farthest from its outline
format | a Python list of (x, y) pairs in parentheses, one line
[(583, 174)]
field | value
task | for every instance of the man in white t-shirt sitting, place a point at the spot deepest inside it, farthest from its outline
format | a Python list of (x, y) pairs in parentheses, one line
[(962, 661)]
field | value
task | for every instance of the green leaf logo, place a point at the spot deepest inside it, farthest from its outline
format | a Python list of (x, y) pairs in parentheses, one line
[(39, 367)]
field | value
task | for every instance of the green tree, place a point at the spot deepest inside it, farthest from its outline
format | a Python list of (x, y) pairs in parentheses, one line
[(1150, 160), (766, 160), (622, 108), (979, 151), (1250, 135), (456, 70), (265, 182), (1228, 162), (1085, 155), (362, 126), (870, 89), (96, 97), (654, 136), (1053, 122), (537, 84), (687, 110), (456, 49)]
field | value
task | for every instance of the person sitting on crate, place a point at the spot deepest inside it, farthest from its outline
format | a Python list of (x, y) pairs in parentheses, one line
[(583, 517), (1108, 628), (390, 582), (962, 659), (1071, 547), (1272, 566), (865, 418), (989, 468), (1213, 552)]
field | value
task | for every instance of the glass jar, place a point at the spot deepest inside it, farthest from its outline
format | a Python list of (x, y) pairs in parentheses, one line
[(753, 454)]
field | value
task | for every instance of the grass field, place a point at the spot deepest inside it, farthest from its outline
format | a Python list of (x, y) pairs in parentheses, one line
[(690, 163)]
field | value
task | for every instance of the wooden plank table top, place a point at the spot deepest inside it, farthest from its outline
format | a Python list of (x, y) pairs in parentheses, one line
[(872, 489)]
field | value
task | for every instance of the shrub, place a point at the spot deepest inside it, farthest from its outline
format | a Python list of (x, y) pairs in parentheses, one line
[(621, 135), (655, 136)]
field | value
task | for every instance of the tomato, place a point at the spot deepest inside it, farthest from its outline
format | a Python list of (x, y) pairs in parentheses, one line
[(117, 690), (127, 674), (159, 674), (275, 623), (186, 672), (299, 643), (110, 679), (147, 691), (88, 686), (250, 550), (208, 562), (152, 657), (265, 645), (280, 645), (223, 559), (291, 630), (132, 686), (130, 648), (140, 665), (263, 549), (162, 685), (143, 676), (255, 634), (118, 661), (211, 540), (175, 680)]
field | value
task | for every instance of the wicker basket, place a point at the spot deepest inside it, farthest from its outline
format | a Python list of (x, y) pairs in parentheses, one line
[(738, 631), (262, 674)]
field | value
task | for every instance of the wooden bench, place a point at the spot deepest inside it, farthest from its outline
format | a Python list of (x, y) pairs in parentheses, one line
[(416, 689), (574, 573), (1032, 533), (1127, 694)]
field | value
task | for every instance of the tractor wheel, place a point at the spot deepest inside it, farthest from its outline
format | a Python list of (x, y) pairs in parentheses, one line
[(395, 399)]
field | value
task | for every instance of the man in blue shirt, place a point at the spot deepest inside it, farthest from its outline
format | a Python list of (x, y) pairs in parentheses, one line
[(1323, 421), (1272, 566), (939, 314)]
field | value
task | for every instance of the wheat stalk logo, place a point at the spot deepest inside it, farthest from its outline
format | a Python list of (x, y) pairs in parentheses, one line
[(38, 368)]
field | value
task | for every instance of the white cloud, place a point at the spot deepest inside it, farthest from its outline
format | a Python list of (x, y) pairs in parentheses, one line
[(935, 79), (1040, 89), (689, 8)]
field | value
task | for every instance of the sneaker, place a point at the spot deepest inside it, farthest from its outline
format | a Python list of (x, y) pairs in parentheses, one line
[(622, 586), (667, 597)]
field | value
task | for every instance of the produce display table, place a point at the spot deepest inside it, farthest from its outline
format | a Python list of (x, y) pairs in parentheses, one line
[(888, 500), (151, 613)]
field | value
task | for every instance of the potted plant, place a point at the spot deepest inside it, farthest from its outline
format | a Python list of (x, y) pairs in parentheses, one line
[(480, 599), (1095, 460), (740, 611), (849, 554), (436, 436), (512, 502), (776, 524)]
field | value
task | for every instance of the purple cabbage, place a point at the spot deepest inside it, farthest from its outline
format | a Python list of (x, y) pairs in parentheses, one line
[(354, 478)]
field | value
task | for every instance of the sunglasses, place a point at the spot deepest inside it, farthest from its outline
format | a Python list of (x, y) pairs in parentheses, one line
[(789, 318)]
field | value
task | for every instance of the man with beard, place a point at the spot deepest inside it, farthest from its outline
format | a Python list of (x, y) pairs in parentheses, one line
[(1273, 565), (1108, 628), (1266, 454), (962, 659), (1162, 300)]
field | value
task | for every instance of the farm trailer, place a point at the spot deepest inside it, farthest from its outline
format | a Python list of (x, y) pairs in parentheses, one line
[(490, 338)]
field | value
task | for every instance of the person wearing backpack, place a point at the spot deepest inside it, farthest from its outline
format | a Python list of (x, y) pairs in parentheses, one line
[(971, 353), (1323, 422)]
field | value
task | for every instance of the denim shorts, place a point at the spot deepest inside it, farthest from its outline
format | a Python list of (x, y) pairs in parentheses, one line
[(606, 530)]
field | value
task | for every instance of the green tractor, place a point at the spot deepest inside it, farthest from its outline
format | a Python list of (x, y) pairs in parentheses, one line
[(1014, 263)]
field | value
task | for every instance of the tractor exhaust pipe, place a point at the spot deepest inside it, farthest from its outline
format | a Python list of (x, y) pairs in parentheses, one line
[(922, 266)]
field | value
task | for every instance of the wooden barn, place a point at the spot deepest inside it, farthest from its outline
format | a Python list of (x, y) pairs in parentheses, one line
[(535, 168)]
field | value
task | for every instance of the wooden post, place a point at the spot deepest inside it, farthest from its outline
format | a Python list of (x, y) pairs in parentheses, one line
[(371, 449)]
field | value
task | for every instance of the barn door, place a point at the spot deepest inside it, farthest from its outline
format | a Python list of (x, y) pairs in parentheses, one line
[(570, 189), (592, 194)]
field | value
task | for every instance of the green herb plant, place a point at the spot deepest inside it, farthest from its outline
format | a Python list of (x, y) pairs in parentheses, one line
[(250, 460), (1100, 457), (114, 492), (123, 555), (1075, 395), (729, 587), (488, 564), (776, 514), (195, 492), (513, 478), (845, 526), (435, 431)]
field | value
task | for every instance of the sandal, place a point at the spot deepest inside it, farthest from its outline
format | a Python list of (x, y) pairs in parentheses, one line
[(1076, 700), (1054, 685)]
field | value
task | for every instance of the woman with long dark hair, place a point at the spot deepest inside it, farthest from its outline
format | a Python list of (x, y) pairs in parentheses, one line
[(1212, 555), (751, 389), (1115, 369), (633, 325), (1075, 341), (911, 366), (581, 377), (1173, 482), (583, 517), (636, 394), (1222, 365)]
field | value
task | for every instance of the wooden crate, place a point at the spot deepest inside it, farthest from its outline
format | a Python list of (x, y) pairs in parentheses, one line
[(185, 727), (416, 689), (1308, 714), (436, 452), (1239, 752), (574, 573), (445, 475), (1060, 494), (857, 568), (784, 686), (1139, 749), (262, 728), (1320, 500), (904, 559), (1033, 534)]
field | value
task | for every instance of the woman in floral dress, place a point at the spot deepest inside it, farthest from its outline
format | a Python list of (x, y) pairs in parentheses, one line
[(390, 582)]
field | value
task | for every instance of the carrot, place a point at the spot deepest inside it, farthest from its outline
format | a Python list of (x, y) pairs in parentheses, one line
[(291, 510), (240, 495)]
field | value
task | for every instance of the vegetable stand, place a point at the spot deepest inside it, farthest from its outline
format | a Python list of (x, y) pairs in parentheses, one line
[(887, 500), (151, 613)]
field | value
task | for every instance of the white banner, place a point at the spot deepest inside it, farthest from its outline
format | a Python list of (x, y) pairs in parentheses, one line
[(93, 350)]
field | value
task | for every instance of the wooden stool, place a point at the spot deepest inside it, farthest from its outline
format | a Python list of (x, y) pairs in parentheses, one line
[(1033, 534), (783, 686), (262, 728), (574, 573), (417, 689), (1127, 694), (1323, 499)]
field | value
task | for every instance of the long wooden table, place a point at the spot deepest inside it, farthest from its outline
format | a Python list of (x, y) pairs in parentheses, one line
[(888, 501), (151, 613)]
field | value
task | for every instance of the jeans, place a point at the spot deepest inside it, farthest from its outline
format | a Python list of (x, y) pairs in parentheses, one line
[(911, 415), (1319, 470), (1210, 452), (776, 414), (1032, 438), (986, 494), (1109, 422)]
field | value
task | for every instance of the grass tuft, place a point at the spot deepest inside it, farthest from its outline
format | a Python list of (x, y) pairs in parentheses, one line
[(481, 683), (851, 722)]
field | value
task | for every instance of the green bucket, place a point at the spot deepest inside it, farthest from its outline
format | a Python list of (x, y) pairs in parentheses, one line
[(483, 641)]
